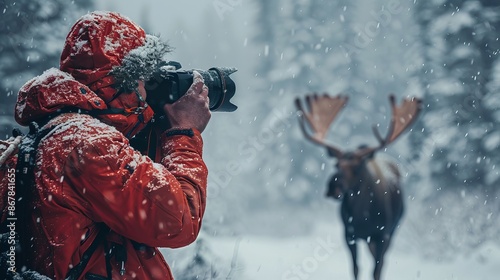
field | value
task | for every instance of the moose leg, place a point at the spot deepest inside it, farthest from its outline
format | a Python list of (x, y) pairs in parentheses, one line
[(351, 243), (378, 247)]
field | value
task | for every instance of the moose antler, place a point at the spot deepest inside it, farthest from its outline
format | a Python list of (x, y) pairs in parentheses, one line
[(321, 112), (402, 117)]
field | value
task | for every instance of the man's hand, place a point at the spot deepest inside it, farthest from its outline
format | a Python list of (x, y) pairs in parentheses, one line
[(192, 109)]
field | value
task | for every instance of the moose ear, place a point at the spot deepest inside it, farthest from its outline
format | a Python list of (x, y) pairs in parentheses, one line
[(370, 155), (332, 152), (335, 193), (335, 187), (365, 152)]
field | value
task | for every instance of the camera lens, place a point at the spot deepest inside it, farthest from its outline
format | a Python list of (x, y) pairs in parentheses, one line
[(168, 85), (221, 88)]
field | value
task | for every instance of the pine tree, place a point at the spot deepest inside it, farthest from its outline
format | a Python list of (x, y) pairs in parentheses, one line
[(204, 265), (462, 51), (300, 53), (32, 35), (461, 123)]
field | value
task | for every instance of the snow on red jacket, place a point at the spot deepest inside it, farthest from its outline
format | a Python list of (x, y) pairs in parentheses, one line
[(87, 173)]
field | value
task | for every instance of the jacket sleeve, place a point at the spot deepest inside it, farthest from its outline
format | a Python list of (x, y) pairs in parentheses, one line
[(160, 205)]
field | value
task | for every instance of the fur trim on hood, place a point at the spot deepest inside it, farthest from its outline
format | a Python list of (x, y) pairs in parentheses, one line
[(140, 63)]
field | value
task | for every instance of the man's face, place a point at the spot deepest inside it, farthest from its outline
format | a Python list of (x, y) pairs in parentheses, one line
[(130, 100)]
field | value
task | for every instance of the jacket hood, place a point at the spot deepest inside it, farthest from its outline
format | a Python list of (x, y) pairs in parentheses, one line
[(105, 54), (108, 52), (52, 92), (96, 43)]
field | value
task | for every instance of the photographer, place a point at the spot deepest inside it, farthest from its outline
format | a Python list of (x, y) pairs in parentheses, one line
[(101, 208)]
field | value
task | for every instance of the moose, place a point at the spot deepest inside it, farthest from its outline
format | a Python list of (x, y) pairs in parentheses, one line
[(372, 203)]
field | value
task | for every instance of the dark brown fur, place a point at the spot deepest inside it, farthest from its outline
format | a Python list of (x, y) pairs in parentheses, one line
[(371, 209)]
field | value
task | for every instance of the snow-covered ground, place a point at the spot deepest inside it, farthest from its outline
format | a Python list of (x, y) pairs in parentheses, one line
[(322, 255), (266, 258)]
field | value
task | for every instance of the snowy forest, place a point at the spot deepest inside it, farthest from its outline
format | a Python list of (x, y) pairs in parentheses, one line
[(267, 207)]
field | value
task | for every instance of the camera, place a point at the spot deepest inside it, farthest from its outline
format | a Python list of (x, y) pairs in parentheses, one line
[(168, 84)]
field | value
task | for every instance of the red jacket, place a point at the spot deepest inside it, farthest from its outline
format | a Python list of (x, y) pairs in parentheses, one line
[(87, 173)]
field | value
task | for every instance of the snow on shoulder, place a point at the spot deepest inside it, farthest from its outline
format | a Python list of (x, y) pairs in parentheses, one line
[(50, 78)]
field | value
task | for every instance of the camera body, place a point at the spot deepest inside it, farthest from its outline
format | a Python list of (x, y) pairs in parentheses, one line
[(168, 84)]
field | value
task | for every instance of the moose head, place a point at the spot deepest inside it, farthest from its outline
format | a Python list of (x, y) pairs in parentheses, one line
[(372, 203)]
